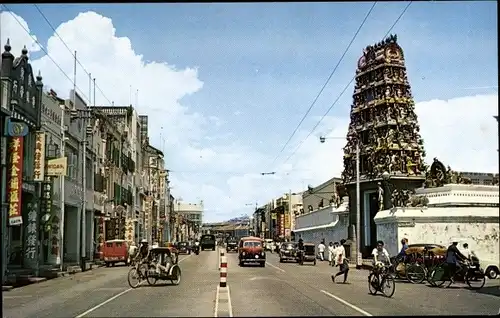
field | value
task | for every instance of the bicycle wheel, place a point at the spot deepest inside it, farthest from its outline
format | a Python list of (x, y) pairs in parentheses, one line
[(151, 279), (475, 279), (415, 273), (372, 284), (437, 276), (428, 277), (134, 278), (388, 286)]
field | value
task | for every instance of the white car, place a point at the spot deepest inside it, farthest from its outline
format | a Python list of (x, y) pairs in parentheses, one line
[(491, 268)]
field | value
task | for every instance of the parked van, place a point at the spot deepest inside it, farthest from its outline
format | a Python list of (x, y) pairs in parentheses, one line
[(115, 251)]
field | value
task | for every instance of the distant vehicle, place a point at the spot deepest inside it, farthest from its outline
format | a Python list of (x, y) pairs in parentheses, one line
[(115, 251), (232, 245), (207, 241), (251, 250), (184, 248), (269, 245), (288, 252)]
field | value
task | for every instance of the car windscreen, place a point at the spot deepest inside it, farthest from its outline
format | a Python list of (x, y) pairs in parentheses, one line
[(252, 244), (289, 246), (183, 244), (208, 238)]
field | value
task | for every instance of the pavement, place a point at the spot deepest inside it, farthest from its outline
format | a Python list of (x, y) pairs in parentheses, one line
[(279, 289)]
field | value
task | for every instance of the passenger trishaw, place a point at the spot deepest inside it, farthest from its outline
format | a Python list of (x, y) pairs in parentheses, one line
[(308, 254), (163, 255)]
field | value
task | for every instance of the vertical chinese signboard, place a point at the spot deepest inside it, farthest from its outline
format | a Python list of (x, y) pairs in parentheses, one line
[(30, 252), (282, 224), (39, 169), (15, 180), (129, 231), (100, 235), (287, 224)]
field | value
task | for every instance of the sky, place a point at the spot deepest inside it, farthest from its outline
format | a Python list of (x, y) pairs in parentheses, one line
[(225, 85)]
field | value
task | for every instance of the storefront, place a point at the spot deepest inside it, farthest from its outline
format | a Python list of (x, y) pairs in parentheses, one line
[(21, 172)]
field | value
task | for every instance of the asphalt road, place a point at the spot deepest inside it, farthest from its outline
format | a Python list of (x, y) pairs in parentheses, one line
[(279, 289)]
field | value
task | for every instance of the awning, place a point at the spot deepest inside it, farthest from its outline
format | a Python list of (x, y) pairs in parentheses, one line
[(318, 227)]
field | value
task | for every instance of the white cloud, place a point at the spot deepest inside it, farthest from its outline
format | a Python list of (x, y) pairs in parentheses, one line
[(15, 28), (461, 131)]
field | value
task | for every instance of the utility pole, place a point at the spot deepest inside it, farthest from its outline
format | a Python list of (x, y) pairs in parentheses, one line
[(61, 191), (322, 139), (81, 114), (358, 208), (290, 212)]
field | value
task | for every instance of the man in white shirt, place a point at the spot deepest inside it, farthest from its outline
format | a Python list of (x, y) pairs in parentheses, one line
[(380, 257), (321, 249), (341, 262), (466, 252), (132, 250), (331, 250)]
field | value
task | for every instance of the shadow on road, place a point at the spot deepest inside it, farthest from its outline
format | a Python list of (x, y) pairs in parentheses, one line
[(490, 290), (161, 285)]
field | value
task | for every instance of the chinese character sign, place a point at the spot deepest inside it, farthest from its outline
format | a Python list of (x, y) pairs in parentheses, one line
[(31, 232), (15, 180), (287, 220), (39, 169), (281, 224)]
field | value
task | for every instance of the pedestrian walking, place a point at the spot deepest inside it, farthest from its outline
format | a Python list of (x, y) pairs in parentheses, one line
[(331, 249), (321, 249), (341, 262)]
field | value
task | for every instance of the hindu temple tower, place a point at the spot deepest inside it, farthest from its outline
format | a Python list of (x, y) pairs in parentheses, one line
[(383, 121)]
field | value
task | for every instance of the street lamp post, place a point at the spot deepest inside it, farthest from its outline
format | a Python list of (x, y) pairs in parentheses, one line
[(322, 139)]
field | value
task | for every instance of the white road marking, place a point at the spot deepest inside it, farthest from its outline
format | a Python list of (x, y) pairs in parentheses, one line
[(217, 302), (104, 303), (361, 311), (114, 297), (276, 267), (15, 297), (230, 306), (216, 309)]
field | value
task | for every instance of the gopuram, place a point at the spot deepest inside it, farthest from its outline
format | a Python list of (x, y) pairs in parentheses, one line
[(384, 123)]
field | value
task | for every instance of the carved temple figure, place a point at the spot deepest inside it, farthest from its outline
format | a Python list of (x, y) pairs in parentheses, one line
[(385, 143), (380, 192)]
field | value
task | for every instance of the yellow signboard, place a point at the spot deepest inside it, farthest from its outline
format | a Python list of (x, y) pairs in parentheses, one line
[(57, 167), (287, 221)]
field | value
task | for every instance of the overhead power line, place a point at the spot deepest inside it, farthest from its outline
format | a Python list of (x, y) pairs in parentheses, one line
[(326, 83), (343, 91), (46, 53), (71, 51)]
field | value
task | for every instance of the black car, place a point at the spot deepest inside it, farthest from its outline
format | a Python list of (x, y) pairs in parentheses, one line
[(288, 252), (207, 241), (184, 248), (232, 246)]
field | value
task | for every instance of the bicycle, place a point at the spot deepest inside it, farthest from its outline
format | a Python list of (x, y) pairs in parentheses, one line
[(139, 272), (382, 281), (471, 273)]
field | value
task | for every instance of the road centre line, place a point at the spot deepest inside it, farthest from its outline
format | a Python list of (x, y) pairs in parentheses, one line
[(361, 311), (216, 308), (276, 267), (114, 297), (230, 306), (217, 302)]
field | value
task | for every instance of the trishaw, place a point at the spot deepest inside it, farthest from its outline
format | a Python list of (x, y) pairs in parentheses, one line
[(163, 255), (308, 254)]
